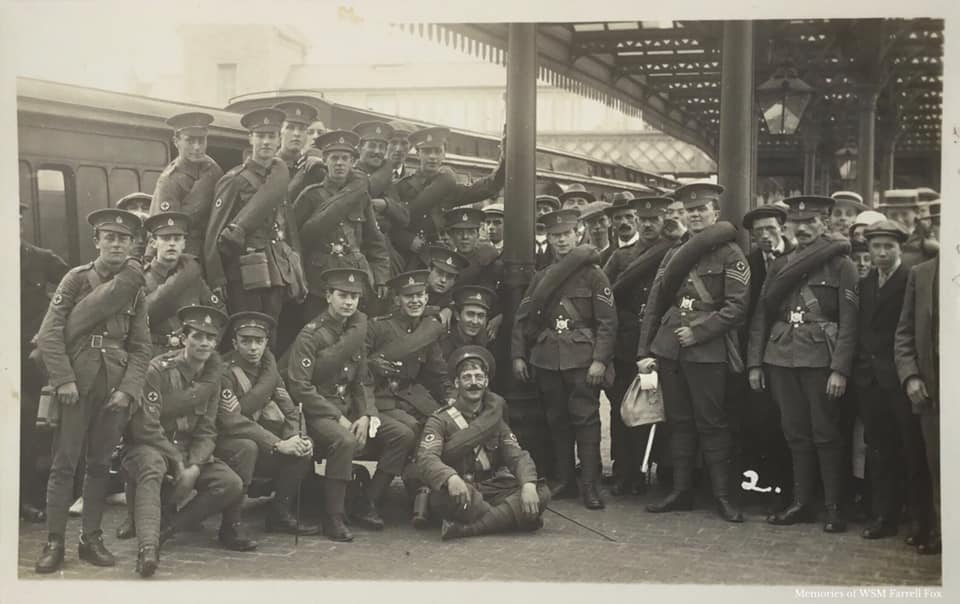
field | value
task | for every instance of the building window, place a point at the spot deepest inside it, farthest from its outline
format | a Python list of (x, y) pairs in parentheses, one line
[(53, 210), (123, 182), (91, 195), (226, 81)]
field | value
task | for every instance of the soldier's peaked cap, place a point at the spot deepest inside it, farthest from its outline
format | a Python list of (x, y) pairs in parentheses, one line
[(167, 223), (650, 207), (401, 129), (267, 119), (296, 112), (764, 211), (430, 137), (193, 123), (447, 259), (338, 140), (805, 207), (474, 294), (351, 280), (696, 194), (135, 202), (410, 282), (374, 131), (463, 218), (118, 221), (474, 352), (203, 318), (889, 228), (250, 323), (577, 190), (560, 220)]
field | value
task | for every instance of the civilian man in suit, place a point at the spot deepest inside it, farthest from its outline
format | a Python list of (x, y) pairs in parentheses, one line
[(916, 352), (543, 254)]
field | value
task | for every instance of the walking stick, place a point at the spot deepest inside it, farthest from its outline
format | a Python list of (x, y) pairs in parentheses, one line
[(296, 534), (646, 454)]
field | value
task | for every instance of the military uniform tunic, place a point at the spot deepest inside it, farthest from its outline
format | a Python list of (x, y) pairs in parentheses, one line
[(175, 183), (164, 330)]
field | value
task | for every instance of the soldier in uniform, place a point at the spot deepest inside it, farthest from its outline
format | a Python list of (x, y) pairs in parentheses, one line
[(846, 207), (597, 224), (802, 343), (470, 316), (479, 476), (631, 270), (434, 188), (493, 224), (187, 184), (484, 266), (337, 223), (249, 243), (139, 204), (173, 279), (697, 303), (39, 269), (917, 356), (892, 433), (95, 346), (565, 329), (257, 414), (293, 132), (543, 254), (328, 375), (173, 432), (446, 266), (902, 205)]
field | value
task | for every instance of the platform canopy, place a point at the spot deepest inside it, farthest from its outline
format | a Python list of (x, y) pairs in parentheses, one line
[(669, 73)]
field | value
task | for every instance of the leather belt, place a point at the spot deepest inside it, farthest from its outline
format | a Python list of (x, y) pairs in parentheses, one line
[(801, 316), (562, 324), (101, 341), (688, 304)]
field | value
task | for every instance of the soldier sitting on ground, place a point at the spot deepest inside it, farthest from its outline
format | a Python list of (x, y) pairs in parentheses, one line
[(481, 481)]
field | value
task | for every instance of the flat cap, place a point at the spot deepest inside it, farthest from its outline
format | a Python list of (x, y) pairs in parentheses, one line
[(266, 119), (250, 323), (135, 202), (430, 137), (338, 140), (167, 223), (474, 294), (560, 220), (463, 218), (203, 318), (118, 221), (350, 280), (696, 194), (447, 259), (550, 200), (472, 351), (890, 228), (867, 218), (410, 282), (805, 207), (650, 207), (764, 211), (296, 112), (374, 131), (193, 123)]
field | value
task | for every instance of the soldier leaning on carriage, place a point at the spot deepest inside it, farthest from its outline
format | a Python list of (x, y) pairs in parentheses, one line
[(391, 360)]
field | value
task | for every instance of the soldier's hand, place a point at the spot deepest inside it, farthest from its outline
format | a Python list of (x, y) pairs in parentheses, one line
[(458, 491), (529, 500), (67, 394), (520, 370), (119, 400), (836, 385), (361, 429), (493, 327), (379, 205), (647, 365), (310, 162), (917, 391), (444, 316), (417, 244), (382, 291), (383, 366), (231, 239), (758, 382), (185, 483), (685, 336), (595, 373)]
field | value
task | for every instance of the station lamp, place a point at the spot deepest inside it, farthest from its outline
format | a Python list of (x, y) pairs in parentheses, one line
[(846, 160), (783, 98)]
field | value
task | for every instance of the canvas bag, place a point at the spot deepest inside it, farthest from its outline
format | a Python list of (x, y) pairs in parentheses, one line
[(642, 403)]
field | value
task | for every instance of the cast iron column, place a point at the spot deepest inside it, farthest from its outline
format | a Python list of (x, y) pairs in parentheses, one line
[(737, 172), (866, 143), (810, 142)]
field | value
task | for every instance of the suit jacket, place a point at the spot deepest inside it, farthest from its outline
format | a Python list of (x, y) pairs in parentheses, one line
[(917, 342), (879, 313)]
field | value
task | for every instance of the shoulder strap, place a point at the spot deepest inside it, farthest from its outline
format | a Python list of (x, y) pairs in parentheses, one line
[(570, 309), (461, 422), (243, 382), (701, 287)]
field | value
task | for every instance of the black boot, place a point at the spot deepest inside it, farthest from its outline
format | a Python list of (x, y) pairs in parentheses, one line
[(32, 514), (127, 530), (804, 470), (588, 445), (280, 520), (148, 559), (834, 522), (720, 479), (334, 494), (231, 537), (51, 559), (92, 550), (565, 487), (498, 519), (336, 529), (797, 512), (367, 515), (880, 527), (675, 501)]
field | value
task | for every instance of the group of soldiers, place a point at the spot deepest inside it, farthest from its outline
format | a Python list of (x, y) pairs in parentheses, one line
[(320, 301)]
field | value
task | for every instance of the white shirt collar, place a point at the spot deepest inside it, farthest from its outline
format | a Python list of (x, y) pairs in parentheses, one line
[(631, 241)]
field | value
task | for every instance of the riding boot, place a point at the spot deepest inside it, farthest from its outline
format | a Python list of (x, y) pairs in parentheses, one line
[(498, 519), (801, 510), (720, 477), (334, 495), (127, 528), (588, 444), (566, 484), (680, 497), (231, 529)]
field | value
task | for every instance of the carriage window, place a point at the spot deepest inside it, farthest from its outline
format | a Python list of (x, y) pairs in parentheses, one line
[(26, 197), (52, 202), (123, 182), (91, 195), (150, 178)]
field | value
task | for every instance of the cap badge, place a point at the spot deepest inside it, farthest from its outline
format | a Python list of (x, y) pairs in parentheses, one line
[(165, 206), (648, 205), (693, 195), (299, 112), (464, 218), (801, 206), (429, 138), (450, 260), (342, 141), (379, 130), (119, 219), (170, 222), (351, 279), (411, 281), (208, 320), (266, 120)]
